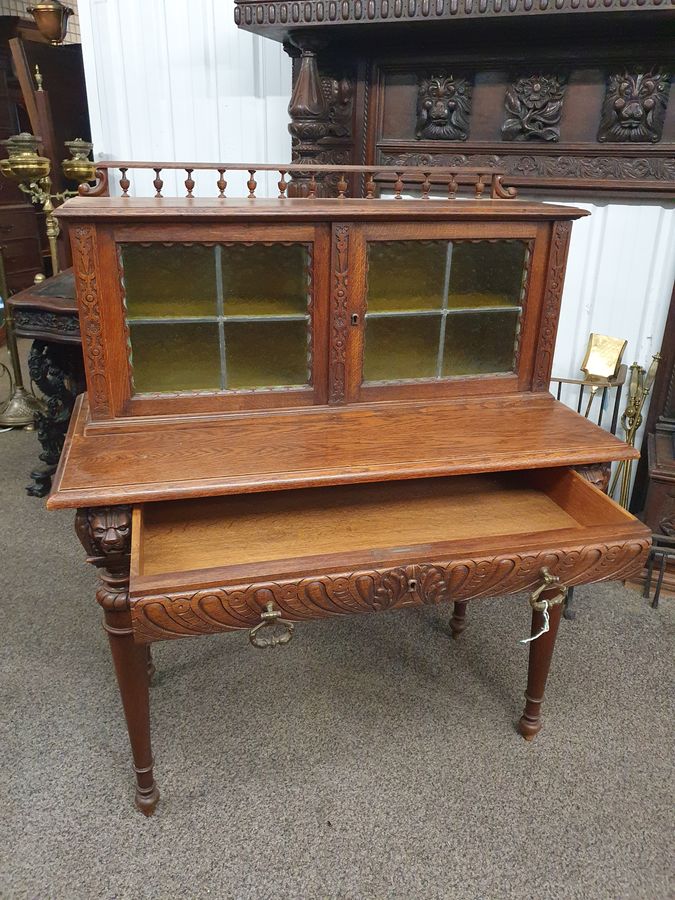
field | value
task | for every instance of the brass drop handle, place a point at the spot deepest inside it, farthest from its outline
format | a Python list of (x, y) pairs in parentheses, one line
[(270, 618), (548, 581)]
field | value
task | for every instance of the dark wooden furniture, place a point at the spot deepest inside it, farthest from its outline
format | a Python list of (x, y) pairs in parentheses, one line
[(563, 95), (654, 494), (308, 408), (20, 241), (46, 313)]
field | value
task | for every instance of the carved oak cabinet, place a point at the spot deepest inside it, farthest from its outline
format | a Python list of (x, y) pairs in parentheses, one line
[(303, 408)]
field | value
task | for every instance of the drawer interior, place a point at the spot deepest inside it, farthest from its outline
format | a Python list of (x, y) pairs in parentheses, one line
[(282, 531)]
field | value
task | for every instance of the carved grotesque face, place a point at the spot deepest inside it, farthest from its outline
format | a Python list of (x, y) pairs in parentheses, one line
[(110, 529), (635, 106), (443, 106)]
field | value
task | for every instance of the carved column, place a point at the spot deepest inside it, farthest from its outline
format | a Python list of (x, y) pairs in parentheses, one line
[(321, 111), (56, 370), (105, 533), (597, 473)]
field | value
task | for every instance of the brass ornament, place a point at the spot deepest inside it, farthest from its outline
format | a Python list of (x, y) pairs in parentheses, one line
[(79, 167), (51, 18), (602, 363), (31, 173), (270, 621), (639, 388)]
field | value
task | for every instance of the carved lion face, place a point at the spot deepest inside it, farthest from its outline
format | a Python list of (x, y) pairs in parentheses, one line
[(635, 106), (443, 107), (110, 528)]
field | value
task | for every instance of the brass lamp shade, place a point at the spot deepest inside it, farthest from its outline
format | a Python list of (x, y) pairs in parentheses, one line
[(51, 18)]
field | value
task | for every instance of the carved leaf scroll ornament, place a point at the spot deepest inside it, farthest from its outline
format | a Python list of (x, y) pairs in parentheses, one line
[(339, 301), (91, 325), (161, 617), (443, 108), (534, 108)]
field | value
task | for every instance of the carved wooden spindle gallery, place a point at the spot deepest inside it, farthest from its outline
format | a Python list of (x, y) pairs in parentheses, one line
[(282, 184), (189, 183), (221, 184), (251, 184), (125, 184), (426, 185), (158, 184)]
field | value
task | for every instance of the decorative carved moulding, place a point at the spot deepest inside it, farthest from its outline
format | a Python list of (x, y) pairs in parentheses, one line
[(278, 15), (555, 126), (635, 104), (559, 100), (534, 108), (211, 610)]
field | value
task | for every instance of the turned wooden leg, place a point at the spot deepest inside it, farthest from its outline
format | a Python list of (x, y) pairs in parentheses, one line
[(149, 663), (458, 620), (105, 533), (541, 652), (131, 668)]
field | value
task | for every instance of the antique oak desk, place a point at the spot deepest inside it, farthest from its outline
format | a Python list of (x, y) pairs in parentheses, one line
[(301, 408)]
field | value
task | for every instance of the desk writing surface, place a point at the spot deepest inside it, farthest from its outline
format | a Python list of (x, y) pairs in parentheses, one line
[(239, 453)]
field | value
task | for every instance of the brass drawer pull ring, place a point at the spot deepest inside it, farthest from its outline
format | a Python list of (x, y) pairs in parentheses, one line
[(271, 619)]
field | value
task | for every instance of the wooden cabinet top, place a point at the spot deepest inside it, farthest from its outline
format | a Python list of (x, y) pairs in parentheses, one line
[(307, 210), (246, 345)]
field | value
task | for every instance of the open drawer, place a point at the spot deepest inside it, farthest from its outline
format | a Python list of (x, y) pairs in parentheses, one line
[(209, 565)]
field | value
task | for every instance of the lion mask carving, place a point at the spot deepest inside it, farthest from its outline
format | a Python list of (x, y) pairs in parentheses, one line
[(443, 108)]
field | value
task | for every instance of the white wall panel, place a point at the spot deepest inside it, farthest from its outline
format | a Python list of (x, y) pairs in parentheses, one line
[(174, 79)]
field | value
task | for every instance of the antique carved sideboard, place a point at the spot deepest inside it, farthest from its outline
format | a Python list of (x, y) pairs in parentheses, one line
[(563, 95), (304, 408)]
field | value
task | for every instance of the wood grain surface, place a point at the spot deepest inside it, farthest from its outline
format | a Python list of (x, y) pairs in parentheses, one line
[(93, 208), (320, 445)]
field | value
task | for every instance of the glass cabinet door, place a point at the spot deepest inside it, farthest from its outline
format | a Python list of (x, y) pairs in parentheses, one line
[(217, 317), (441, 309)]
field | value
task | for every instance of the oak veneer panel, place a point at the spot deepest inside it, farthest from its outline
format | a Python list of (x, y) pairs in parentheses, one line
[(318, 446), (200, 534)]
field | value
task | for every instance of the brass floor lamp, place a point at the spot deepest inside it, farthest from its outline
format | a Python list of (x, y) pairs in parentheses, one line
[(31, 173)]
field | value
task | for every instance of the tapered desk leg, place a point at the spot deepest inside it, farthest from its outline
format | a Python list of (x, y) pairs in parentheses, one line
[(131, 667), (541, 652), (105, 533), (458, 620), (150, 663)]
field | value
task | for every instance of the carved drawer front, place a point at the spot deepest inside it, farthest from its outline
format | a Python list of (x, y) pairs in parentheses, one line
[(204, 566)]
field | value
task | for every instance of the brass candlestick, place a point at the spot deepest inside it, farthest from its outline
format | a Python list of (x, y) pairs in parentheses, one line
[(31, 173)]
